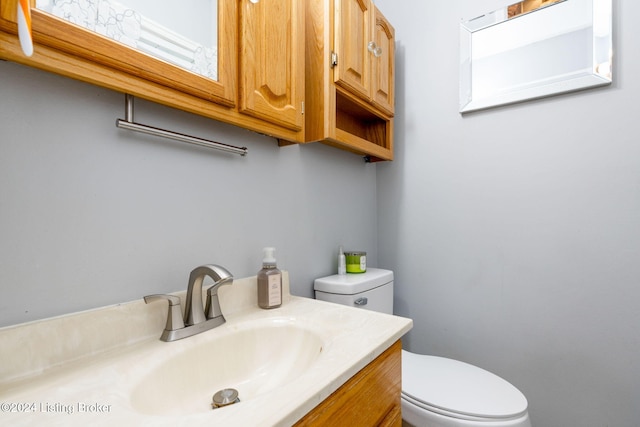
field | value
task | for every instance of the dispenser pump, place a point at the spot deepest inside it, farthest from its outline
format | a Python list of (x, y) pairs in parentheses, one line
[(269, 258)]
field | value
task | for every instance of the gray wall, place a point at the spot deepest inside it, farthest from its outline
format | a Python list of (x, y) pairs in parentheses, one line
[(92, 215), (515, 232)]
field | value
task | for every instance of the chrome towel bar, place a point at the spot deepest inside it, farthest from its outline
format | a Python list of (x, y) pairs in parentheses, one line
[(129, 124)]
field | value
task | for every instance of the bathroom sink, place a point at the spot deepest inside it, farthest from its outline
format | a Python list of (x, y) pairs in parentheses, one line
[(254, 360), (115, 371)]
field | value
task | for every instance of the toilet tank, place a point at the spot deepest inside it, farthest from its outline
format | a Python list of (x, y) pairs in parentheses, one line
[(371, 290)]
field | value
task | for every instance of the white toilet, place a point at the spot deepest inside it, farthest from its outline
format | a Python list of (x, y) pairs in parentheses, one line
[(436, 391)]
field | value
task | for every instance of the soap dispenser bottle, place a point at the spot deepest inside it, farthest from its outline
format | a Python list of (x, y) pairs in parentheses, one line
[(269, 281)]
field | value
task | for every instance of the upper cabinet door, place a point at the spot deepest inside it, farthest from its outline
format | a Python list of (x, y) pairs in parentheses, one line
[(383, 72), (272, 61), (146, 43), (352, 36)]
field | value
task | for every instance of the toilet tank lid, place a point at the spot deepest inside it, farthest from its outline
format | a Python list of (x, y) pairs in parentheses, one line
[(350, 283)]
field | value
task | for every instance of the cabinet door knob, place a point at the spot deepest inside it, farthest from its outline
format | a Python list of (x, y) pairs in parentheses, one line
[(375, 49)]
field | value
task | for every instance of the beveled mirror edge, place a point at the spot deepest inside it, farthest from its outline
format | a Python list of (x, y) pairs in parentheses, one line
[(596, 78), (557, 88)]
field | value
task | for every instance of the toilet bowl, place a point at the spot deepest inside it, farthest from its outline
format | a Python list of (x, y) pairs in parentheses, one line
[(441, 392), (436, 391)]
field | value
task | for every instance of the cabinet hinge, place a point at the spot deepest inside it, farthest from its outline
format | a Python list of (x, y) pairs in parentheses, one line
[(334, 59)]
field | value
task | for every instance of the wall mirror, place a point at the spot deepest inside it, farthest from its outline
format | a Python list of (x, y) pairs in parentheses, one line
[(183, 33), (533, 49)]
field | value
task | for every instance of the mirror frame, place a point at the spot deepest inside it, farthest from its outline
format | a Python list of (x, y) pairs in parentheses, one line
[(70, 50), (539, 90)]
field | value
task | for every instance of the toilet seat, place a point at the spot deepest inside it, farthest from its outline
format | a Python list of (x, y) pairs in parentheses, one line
[(459, 390)]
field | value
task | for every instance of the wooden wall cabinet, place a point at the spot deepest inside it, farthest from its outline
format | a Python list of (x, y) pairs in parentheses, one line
[(298, 71), (350, 65), (267, 98), (369, 398)]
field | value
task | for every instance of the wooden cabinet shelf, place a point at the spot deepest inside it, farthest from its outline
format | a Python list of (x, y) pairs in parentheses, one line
[(362, 130)]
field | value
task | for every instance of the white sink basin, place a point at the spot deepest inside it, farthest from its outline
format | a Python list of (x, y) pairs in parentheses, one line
[(253, 360), (107, 367)]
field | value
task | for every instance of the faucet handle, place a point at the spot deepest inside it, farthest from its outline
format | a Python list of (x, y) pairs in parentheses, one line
[(212, 308), (174, 316), (173, 300)]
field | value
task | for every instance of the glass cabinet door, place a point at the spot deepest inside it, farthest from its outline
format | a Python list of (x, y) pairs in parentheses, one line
[(187, 45)]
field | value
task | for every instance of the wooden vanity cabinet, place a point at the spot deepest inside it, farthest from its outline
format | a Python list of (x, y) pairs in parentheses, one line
[(350, 72), (370, 398), (252, 90)]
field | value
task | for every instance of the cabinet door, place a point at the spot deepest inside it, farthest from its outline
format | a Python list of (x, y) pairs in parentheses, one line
[(352, 35), (272, 61), (77, 51), (383, 72), (375, 390)]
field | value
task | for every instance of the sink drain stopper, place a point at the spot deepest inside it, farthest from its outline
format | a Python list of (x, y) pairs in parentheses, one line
[(224, 397)]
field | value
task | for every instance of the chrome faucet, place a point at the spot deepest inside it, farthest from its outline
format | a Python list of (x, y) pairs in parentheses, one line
[(196, 318), (194, 312)]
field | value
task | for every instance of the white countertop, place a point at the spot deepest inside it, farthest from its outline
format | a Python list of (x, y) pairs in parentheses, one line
[(82, 368)]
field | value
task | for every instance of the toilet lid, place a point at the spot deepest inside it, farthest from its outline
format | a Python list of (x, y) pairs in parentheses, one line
[(458, 389)]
